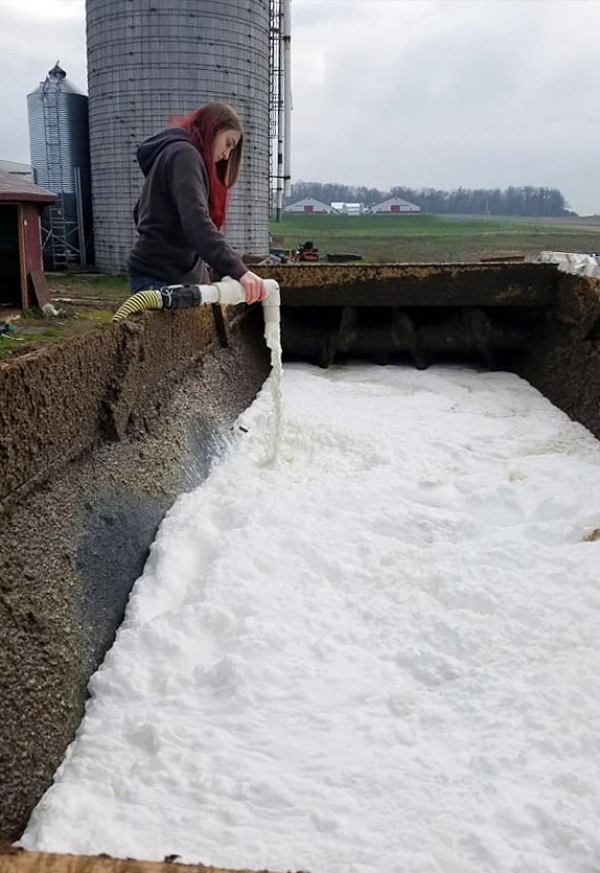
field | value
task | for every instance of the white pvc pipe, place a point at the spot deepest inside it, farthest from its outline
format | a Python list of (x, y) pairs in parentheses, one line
[(272, 303), (229, 291)]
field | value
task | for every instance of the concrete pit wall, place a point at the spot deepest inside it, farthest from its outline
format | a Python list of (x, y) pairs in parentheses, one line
[(98, 436), (564, 362)]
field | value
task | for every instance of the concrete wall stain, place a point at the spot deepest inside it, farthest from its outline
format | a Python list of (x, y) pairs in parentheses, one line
[(90, 463)]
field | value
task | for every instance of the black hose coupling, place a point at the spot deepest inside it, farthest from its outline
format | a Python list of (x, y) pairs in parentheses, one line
[(180, 296)]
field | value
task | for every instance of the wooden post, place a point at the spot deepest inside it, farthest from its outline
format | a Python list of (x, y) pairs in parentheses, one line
[(40, 287), (22, 222), (37, 288)]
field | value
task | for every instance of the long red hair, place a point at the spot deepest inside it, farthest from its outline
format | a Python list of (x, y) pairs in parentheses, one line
[(203, 125)]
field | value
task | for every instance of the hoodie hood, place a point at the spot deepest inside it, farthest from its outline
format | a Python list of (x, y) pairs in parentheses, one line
[(150, 148)]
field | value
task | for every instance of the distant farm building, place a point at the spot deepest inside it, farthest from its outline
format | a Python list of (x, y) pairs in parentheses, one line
[(349, 208), (396, 206), (309, 206)]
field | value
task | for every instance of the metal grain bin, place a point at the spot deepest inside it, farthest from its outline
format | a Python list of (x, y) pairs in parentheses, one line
[(59, 145), (149, 59)]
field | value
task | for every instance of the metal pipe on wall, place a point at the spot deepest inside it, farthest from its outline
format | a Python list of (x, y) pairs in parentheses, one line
[(80, 218), (287, 75), (280, 114)]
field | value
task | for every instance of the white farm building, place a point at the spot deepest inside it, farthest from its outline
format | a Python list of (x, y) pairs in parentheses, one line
[(348, 208), (309, 206), (396, 206)]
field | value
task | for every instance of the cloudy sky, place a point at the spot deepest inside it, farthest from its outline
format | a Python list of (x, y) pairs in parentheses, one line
[(423, 93)]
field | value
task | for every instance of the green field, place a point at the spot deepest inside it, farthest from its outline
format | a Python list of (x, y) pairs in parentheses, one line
[(422, 238), (87, 299)]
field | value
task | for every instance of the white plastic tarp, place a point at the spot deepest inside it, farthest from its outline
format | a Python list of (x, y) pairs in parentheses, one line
[(574, 262)]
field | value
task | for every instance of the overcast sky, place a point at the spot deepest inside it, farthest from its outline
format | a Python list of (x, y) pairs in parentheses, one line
[(422, 93)]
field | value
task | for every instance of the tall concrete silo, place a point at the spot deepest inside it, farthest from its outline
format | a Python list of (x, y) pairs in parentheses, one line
[(59, 145), (148, 59)]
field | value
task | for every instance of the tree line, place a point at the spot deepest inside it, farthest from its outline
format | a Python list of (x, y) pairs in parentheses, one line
[(526, 200)]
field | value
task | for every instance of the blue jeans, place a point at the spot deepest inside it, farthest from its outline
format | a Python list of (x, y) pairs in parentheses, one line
[(144, 283)]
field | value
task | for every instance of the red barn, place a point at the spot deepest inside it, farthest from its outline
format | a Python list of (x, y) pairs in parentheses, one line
[(395, 206), (22, 281), (309, 206)]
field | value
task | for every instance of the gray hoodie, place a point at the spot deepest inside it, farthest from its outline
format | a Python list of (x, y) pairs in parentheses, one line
[(177, 236)]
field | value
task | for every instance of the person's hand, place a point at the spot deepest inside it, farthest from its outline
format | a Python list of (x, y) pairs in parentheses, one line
[(254, 287)]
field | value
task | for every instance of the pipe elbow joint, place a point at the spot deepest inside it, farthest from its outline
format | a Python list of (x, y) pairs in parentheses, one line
[(272, 302)]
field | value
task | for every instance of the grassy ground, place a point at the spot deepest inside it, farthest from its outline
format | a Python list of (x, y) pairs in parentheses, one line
[(423, 238), (94, 288), (31, 330), (82, 300)]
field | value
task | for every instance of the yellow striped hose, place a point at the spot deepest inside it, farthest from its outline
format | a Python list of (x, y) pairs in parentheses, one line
[(138, 303)]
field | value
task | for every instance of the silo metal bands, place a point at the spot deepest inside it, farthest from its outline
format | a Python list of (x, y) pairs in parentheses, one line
[(148, 59)]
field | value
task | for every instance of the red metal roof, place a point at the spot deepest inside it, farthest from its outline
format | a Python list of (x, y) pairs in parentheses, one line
[(17, 190)]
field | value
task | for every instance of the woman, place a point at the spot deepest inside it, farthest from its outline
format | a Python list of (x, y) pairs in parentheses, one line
[(190, 169)]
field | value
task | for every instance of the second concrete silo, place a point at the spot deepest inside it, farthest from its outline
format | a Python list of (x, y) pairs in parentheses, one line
[(149, 59)]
